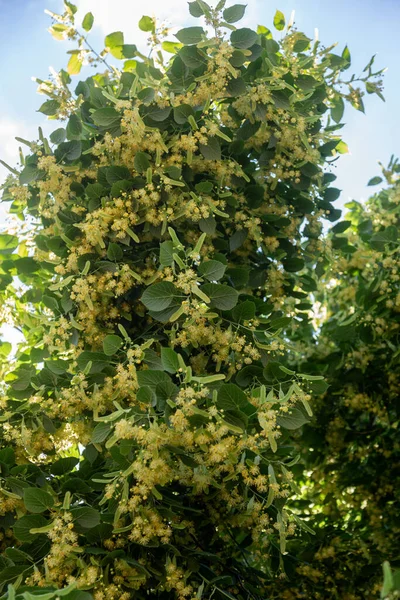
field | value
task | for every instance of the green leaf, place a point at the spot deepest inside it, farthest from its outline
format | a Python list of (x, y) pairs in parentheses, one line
[(123, 51), (72, 9), (375, 181), (231, 397), (165, 315), (342, 147), (236, 418), (159, 296), (106, 117), (306, 82), (173, 172), (243, 38), (69, 150), (64, 465), (5, 348), (114, 39), (117, 173), (190, 35), (152, 360), (128, 50), (237, 239), (280, 322), (7, 456), (8, 243), (147, 24), (280, 99), (207, 8), (11, 573), (29, 173), (222, 297), (74, 65), (166, 254), (347, 57), (294, 264), (236, 87), (151, 378), (57, 366), (213, 270), (111, 344), (21, 528), (279, 20), (237, 59), (95, 191), (234, 13), (74, 595), (204, 187), (182, 112), (144, 394), (74, 127), (192, 57), (58, 136), (37, 500), (195, 9), (171, 47), (141, 162), (337, 109), (293, 419), (49, 108), (88, 21), (114, 252), (245, 311), (272, 48), (302, 42), (344, 333), (331, 194), (211, 150), (272, 370), (208, 225), (23, 380), (17, 556), (165, 390), (320, 387), (158, 114), (169, 359), (387, 236), (146, 95), (26, 265), (100, 433), (341, 227), (85, 516)]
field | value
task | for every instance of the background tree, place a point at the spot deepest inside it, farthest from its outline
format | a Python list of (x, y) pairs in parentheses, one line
[(159, 277), (351, 451)]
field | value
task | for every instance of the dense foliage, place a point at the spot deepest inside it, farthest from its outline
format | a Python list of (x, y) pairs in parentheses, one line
[(351, 450), (163, 274)]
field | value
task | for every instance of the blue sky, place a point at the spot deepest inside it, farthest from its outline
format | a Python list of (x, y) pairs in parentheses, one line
[(367, 26)]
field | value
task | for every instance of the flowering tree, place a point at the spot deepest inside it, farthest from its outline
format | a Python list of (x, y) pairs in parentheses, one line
[(352, 470), (170, 239)]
